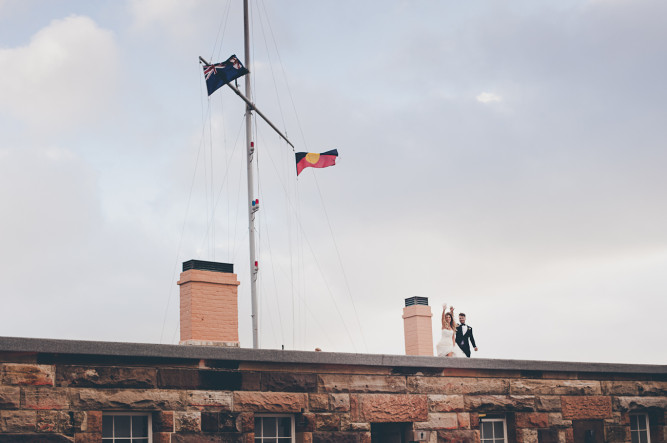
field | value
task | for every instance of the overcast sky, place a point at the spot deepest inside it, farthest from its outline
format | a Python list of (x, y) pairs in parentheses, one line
[(505, 157)]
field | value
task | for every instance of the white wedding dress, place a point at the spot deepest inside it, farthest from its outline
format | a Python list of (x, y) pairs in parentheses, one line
[(446, 345)]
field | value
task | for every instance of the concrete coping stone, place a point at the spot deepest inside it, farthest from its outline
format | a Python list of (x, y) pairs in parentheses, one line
[(148, 350)]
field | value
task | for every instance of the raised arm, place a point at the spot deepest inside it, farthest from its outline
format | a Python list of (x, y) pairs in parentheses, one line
[(442, 321)]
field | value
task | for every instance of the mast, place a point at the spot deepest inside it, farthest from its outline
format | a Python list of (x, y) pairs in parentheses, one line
[(252, 208)]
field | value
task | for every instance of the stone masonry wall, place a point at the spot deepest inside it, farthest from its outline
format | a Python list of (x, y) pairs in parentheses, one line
[(61, 399)]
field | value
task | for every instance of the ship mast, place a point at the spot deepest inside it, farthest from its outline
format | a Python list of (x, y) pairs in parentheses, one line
[(252, 207)]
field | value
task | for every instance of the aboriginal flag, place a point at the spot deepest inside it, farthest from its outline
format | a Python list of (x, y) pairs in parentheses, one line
[(314, 160), (219, 74)]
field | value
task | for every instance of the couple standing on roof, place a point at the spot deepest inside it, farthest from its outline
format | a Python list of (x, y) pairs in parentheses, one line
[(456, 339)]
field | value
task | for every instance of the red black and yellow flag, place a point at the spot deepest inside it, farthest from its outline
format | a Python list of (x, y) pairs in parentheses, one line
[(314, 160)]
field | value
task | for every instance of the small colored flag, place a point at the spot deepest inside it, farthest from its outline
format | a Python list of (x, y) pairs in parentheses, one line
[(314, 160), (219, 74)]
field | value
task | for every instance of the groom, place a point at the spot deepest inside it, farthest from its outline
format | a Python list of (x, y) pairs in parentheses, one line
[(464, 334)]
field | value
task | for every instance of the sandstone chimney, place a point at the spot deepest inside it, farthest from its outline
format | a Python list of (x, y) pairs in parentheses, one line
[(209, 304), (417, 326)]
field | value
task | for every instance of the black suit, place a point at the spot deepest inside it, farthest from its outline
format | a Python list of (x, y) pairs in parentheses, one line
[(462, 339)]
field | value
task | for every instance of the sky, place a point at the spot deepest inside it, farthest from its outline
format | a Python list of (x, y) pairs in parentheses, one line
[(506, 158)]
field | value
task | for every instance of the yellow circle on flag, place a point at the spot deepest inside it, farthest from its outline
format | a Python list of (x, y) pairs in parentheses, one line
[(312, 157)]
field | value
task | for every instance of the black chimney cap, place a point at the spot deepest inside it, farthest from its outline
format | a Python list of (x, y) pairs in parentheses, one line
[(416, 301), (208, 266)]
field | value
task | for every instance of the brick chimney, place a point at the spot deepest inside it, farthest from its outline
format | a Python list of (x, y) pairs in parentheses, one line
[(417, 326), (209, 304)]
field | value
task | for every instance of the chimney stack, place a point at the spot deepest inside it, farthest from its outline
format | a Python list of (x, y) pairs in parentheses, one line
[(209, 304), (417, 326)]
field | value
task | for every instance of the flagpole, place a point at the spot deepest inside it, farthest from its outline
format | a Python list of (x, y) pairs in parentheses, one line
[(251, 199)]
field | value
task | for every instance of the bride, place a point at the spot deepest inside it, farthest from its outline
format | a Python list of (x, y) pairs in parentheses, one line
[(447, 347)]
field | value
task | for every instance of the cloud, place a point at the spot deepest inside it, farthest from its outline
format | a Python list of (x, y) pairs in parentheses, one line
[(64, 77), (488, 97)]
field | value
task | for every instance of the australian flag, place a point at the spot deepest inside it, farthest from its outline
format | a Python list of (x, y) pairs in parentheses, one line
[(219, 74)]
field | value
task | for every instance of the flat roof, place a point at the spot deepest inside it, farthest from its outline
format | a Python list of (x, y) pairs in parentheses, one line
[(148, 350)]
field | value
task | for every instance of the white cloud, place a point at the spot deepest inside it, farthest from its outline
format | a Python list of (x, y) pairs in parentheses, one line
[(488, 97), (64, 77)]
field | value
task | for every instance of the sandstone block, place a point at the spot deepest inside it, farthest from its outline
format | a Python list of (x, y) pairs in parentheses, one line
[(304, 422), (547, 403), (336, 437), (556, 420), (318, 402), (439, 420), (44, 398), (499, 403), (327, 422), (187, 421), (464, 419), (288, 382), (304, 437), (161, 437), (339, 402), (17, 421), (19, 374), (381, 408), (555, 387), (251, 381), (87, 437), (245, 422), (527, 436), (163, 421), (58, 422), (548, 436), (445, 403), (212, 438), (586, 407), (84, 376), (456, 436), (269, 402), (532, 420), (360, 383), (617, 434), (209, 399), (101, 399), (10, 397), (94, 421), (624, 404), (457, 385)]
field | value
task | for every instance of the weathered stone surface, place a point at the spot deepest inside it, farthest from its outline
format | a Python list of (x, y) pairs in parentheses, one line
[(445, 403), (381, 408), (336, 437), (186, 378), (35, 438), (547, 403), (556, 420), (457, 385), (457, 436), (304, 422), (269, 401), (634, 388), (245, 422), (500, 403), (219, 422), (163, 421), (209, 399), (548, 436), (57, 422), (18, 421), (327, 422), (637, 403), (161, 437), (105, 376), (26, 374), (586, 407), (250, 381), (527, 436), (208, 438), (616, 434), (101, 399), (288, 382), (464, 419), (10, 397), (318, 402), (339, 402), (532, 420), (439, 420), (360, 383), (44, 398), (94, 421), (555, 387), (187, 421), (304, 437)]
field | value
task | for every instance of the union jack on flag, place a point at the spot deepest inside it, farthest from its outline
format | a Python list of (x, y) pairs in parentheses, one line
[(219, 74)]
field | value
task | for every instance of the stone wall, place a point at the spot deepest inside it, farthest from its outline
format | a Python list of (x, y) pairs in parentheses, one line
[(61, 398)]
